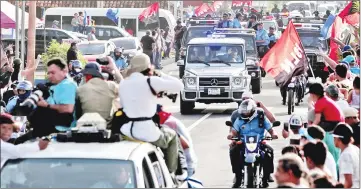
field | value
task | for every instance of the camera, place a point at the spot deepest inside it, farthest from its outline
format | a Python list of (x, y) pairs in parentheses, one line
[(173, 97), (32, 100), (102, 61), (78, 77)]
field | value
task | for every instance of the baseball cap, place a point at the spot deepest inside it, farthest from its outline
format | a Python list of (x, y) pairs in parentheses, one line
[(332, 91), (349, 59), (350, 112), (138, 63), (316, 88), (93, 69), (342, 130), (6, 119)]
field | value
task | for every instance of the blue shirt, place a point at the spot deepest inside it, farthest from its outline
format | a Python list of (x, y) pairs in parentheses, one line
[(251, 128), (237, 23), (11, 104), (262, 35), (225, 24), (121, 63), (63, 93), (272, 38), (355, 70)]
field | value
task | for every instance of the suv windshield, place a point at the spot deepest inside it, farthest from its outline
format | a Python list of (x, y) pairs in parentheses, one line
[(220, 53), (194, 32), (68, 173), (91, 49), (311, 40), (249, 42)]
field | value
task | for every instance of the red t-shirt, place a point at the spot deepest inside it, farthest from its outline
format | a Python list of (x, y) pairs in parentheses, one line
[(328, 108)]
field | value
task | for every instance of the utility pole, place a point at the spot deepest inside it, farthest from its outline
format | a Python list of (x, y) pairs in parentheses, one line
[(17, 29), (22, 34), (31, 39)]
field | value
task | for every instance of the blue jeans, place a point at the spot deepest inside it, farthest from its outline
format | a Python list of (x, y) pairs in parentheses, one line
[(75, 29), (156, 59)]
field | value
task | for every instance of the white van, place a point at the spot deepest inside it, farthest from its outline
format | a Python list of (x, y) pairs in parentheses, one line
[(297, 5), (128, 18)]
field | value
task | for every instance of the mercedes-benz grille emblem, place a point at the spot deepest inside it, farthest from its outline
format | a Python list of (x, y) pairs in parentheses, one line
[(214, 82)]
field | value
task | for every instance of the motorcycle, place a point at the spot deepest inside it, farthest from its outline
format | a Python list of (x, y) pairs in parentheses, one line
[(252, 171), (295, 91)]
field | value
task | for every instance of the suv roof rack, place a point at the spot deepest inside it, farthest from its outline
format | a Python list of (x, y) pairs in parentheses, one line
[(235, 30)]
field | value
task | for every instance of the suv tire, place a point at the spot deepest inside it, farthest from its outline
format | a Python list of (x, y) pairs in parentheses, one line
[(256, 85), (186, 107)]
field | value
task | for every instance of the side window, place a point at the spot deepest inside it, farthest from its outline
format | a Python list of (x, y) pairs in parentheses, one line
[(61, 35), (103, 33), (157, 169), (147, 175), (116, 33)]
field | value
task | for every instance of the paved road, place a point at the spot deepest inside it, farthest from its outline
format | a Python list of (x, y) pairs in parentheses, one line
[(209, 132)]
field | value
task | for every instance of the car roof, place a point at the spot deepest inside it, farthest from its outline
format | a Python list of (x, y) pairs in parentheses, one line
[(123, 38), (205, 40), (94, 42), (118, 150)]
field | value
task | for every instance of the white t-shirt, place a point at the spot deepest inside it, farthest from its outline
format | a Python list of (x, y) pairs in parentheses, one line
[(330, 166), (342, 104), (349, 163)]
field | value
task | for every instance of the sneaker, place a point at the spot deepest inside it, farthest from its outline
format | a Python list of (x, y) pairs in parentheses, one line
[(270, 179), (264, 185)]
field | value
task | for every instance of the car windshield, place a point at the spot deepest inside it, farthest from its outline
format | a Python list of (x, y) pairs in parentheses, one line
[(68, 173), (194, 32), (311, 40), (91, 49), (297, 6), (249, 42), (266, 25), (125, 43), (219, 53)]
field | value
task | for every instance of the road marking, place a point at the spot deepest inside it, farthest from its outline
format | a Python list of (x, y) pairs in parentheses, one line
[(198, 121)]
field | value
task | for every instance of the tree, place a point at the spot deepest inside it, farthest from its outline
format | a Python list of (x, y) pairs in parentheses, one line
[(59, 50)]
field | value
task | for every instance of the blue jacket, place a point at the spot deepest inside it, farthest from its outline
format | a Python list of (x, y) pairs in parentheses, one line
[(121, 63), (225, 24)]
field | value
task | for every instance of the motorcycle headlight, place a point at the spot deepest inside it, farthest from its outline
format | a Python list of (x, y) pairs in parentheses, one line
[(253, 74), (319, 59)]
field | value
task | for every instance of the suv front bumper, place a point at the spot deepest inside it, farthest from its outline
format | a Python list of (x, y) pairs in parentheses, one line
[(202, 95)]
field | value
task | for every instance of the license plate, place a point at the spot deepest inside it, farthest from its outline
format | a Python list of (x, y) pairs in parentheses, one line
[(214, 91)]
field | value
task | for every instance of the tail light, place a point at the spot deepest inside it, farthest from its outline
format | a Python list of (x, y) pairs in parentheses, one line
[(264, 142), (239, 142)]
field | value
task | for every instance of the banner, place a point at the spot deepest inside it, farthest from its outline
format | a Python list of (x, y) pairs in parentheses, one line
[(286, 58), (150, 14), (216, 5), (241, 3)]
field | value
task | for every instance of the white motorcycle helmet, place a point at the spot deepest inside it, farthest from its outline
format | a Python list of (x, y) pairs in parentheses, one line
[(247, 95), (247, 109), (295, 122)]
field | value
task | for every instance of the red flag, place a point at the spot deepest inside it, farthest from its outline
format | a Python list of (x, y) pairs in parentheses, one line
[(240, 3), (345, 15), (202, 9), (149, 14), (286, 58), (217, 5), (337, 32)]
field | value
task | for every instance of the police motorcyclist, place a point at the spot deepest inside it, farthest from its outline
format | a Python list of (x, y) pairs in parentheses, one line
[(248, 95), (13, 107), (251, 122), (75, 71), (119, 59)]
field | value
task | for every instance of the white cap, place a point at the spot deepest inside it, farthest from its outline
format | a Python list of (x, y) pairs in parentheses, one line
[(350, 112)]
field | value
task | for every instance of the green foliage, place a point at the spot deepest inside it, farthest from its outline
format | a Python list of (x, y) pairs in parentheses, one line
[(59, 50), (355, 7)]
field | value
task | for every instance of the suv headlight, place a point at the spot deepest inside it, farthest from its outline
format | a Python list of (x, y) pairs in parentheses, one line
[(190, 80), (239, 82), (319, 59)]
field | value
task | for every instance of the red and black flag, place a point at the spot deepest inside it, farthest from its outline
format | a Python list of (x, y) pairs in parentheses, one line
[(286, 58), (150, 14)]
